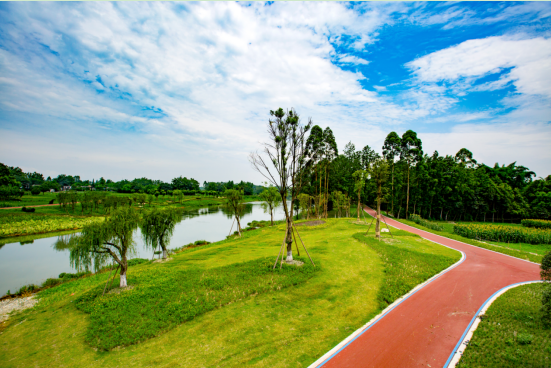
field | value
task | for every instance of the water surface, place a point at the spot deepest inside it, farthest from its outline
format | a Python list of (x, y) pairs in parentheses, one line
[(33, 262)]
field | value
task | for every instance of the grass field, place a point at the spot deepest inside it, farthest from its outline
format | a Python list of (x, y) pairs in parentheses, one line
[(292, 326), (512, 334), (530, 252)]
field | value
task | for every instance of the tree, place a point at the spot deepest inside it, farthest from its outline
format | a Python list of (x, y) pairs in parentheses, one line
[(285, 164), (411, 152), (235, 203), (304, 203), (359, 184), (271, 199), (158, 226), (379, 174), (100, 242), (391, 149), (330, 151)]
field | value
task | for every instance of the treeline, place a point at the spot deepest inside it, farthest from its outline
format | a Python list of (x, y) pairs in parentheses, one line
[(13, 183), (432, 186)]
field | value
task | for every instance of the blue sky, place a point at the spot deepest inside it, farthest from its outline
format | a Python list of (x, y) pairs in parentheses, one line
[(126, 90)]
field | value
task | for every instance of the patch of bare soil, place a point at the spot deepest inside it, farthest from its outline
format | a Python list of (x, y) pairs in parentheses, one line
[(9, 305), (359, 222), (294, 262), (311, 223), (162, 260), (118, 290)]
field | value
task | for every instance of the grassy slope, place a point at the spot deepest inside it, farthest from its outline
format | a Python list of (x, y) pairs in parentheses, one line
[(496, 342), (292, 327), (518, 250)]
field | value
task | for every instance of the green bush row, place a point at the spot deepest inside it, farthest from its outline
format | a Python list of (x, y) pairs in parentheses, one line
[(539, 224), (430, 225), (501, 233)]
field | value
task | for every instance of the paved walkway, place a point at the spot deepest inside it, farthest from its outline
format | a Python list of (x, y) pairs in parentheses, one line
[(423, 330), (36, 205)]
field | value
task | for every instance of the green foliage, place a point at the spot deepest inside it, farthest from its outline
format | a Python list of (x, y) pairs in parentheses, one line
[(546, 267), (166, 297), (539, 224), (25, 224), (28, 209), (503, 233), (158, 225), (404, 269), (512, 333), (430, 225), (35, 191), (546, 307)]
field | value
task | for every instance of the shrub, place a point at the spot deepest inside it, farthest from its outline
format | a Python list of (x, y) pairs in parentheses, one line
[(539, 224), (201, 242), (501, 233), (52, 201), (27, 289), (524, 338), (51, 282), (420, 221), (30, 209), (35, 191), (546, 306)]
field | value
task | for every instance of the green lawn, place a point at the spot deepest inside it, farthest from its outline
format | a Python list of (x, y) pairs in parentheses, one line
[(290, 326), (512, 334), (529, 252)]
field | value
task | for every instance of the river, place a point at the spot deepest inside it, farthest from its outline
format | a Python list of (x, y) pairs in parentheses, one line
[(34, 261)]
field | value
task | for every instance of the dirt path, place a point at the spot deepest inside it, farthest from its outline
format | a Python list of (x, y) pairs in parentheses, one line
[(424, 329)]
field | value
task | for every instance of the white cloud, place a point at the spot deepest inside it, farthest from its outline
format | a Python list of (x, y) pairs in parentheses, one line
[(472, 59)]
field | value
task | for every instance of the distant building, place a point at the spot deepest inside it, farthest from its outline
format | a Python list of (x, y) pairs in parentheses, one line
[(66, 187)]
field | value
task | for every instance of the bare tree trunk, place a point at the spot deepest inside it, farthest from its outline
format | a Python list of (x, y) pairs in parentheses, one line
[(238, 224), (289, 230), (272, 215), (378, 223), (124, 267), (358, 205), (407, 200)]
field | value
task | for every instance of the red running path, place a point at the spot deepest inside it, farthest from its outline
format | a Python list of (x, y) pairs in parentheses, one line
[(424, 329)]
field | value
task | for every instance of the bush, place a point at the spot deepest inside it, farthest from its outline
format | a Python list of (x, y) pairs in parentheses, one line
[(539, 224), (51, 282), (524, 338), (30, 209), (35, 190), (430, 225), (546, 306), (27, 289), (502, 233), (201, 242), (52, 201)]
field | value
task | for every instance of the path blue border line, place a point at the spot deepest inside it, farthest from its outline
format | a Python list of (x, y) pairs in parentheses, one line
[(476, 315), (390, 310)]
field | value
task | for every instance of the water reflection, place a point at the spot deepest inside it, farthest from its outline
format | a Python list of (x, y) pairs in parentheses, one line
[(27, 260)]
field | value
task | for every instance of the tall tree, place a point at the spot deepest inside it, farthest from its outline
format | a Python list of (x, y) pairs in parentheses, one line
[(379, 174), (285, 163), (391, 149), (158, 226), (411, 152), (330, 151), (359, 184)]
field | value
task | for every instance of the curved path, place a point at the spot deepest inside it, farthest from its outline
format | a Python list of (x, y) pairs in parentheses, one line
[(424, 329)]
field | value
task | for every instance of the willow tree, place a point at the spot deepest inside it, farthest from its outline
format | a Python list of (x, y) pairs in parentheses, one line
[(411, 152), (270, 200), (284, 165), (158, 226), (235, 204), (111, 239), (359, 184), (379, 174), (391, 149)]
